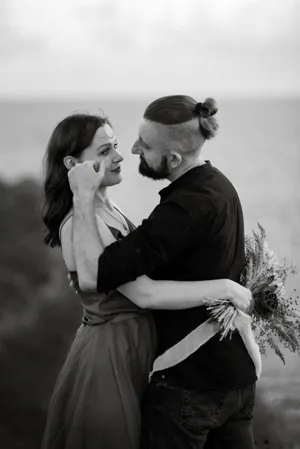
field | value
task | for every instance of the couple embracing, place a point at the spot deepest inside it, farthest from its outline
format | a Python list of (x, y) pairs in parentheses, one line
[(146, 368)]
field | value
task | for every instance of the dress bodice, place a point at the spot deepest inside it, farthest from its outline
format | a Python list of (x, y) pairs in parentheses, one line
[(100, 307)]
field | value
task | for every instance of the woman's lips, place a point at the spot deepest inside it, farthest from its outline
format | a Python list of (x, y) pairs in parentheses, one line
[(116, 170)]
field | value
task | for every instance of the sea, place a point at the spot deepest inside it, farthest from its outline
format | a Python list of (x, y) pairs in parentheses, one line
[(257, 147)]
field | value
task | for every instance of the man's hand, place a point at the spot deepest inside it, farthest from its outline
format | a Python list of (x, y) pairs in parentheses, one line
[(240, 297), (86, 177)]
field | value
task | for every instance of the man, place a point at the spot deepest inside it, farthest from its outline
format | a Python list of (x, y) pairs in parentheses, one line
[(195, 233)]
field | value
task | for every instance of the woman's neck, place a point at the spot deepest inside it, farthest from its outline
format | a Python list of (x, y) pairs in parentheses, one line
[(101, 199)]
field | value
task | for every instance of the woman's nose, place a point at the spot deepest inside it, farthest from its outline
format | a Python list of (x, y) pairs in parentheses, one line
[(118, 157)]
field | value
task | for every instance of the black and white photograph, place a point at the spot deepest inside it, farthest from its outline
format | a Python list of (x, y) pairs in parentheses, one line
[(149, 224)]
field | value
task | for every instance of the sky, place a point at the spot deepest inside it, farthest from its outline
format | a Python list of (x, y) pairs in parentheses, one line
[(67, 48)]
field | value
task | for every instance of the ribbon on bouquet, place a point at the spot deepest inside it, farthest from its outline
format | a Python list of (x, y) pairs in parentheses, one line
[(194, 340)]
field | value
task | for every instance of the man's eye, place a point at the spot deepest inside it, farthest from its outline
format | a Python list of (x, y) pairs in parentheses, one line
[(116, 144), (105, 152)]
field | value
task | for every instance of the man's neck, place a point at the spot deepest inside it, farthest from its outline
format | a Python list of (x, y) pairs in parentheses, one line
[(181, 170)]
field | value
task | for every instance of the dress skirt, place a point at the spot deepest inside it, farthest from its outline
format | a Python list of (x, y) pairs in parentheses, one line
[(96, 402)]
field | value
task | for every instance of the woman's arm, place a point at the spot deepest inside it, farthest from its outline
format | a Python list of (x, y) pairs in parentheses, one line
[(175, 295), (86, 279), (87, 243), (67, 244)]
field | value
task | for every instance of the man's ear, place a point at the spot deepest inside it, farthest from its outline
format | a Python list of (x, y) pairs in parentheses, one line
[(69, 162), (175, 159)]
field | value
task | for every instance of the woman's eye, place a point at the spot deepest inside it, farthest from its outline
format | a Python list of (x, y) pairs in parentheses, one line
[(105, 152), (116, 145)]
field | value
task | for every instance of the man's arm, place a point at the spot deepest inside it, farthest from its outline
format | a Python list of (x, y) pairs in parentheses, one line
[(152, 244), (177, 295), (170, 230)]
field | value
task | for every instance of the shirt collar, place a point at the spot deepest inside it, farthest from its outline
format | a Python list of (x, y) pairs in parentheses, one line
[(198, 173)]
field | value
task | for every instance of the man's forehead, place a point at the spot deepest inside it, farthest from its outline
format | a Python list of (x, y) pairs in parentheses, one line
[(144, 125), (150, 130), (164, 130), (154, 135), (158, 135)]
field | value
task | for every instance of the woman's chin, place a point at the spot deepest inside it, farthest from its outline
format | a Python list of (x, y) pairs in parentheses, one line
[(119, 180), (114, 180)]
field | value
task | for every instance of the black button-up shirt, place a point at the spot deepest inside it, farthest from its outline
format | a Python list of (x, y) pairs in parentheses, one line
[(195, 233)]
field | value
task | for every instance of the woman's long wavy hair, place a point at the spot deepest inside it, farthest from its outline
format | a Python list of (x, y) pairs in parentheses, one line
[(70, 137)]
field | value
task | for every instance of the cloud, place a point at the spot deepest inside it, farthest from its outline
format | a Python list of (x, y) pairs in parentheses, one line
[(112, 46), (12, 42)]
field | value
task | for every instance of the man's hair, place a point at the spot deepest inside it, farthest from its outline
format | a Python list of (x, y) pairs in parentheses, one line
[(178, 109)]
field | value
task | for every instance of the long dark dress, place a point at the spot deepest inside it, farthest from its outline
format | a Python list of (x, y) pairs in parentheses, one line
[(97, 396)]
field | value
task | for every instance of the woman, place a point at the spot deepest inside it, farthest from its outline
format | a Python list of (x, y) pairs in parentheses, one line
[(96, 400)]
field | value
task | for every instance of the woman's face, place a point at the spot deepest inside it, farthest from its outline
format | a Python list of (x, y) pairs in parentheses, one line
[(105, 145)]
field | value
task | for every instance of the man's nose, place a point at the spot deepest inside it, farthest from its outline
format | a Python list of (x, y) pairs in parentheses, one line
[(136, 149)]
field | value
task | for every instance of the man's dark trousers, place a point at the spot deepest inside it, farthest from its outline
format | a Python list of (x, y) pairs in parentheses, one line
[(175, 417)]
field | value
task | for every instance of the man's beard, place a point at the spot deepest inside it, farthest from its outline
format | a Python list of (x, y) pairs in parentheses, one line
[(162, 172)]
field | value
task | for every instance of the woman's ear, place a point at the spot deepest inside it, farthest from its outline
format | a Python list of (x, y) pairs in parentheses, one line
[(175, 159), (69, 162)]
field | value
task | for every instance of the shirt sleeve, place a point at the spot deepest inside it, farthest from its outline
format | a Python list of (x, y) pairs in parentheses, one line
[(168, 231)]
